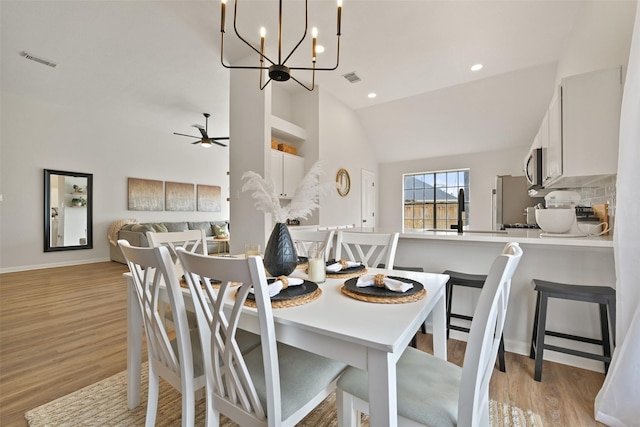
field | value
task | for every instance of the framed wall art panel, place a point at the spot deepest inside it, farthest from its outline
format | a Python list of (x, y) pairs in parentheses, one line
[(179, 197), (209, 198), (145, 195)]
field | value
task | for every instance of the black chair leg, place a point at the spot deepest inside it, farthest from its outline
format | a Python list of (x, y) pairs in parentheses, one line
[(542, 323), (606, 339), (612, 316), (534, 334), (449, 298), (501, 362)]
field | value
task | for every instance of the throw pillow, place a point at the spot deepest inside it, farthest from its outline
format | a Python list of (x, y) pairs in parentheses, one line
[(221, 230), (176, 226), (159, 228), (143, 228)]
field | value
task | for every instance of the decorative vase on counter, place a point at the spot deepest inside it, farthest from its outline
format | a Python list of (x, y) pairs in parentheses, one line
[(280, 256)]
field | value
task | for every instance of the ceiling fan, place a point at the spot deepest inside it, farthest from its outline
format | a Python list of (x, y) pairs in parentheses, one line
[(205, 140)]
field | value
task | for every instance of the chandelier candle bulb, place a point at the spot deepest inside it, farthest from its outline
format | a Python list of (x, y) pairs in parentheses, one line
[(314, 33), (339, 15), (223, 14)]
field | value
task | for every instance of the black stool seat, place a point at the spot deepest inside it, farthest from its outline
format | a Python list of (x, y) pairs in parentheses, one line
[(457, 278), (604, 296), (464, 279)]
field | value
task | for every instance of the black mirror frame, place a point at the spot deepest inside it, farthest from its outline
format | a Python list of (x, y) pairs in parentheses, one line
[(47, 210)]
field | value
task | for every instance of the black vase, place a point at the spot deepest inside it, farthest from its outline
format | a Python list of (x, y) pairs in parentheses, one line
[(280, 256)]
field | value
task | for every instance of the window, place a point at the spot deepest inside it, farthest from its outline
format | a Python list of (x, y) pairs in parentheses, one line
[(431, 199)]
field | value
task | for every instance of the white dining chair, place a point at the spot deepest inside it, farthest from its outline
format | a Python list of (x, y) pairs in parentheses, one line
[(192, 240), (303, 239), (369, 248), (177, 360), (432, 391), (272, 385)]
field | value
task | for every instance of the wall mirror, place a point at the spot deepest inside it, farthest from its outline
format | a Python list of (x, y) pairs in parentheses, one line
[(68, 210)]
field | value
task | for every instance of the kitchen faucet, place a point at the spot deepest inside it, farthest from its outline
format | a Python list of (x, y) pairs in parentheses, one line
[(460, 209)]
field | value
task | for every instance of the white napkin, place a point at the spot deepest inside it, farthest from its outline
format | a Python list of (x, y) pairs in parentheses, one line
[(335, 267), (391, 284), (276, 287)]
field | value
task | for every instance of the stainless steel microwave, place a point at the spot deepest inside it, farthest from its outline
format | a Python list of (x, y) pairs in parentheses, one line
[(533, 168)]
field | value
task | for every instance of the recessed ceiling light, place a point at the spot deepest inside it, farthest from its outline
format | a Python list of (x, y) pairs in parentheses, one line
[(319, 48), (372, 95), (476, 67)]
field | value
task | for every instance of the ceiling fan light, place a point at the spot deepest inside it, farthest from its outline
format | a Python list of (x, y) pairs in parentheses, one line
[(206, 144)]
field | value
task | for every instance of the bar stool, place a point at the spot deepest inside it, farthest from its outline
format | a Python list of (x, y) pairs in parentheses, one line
[(457, 278), (604, 296)]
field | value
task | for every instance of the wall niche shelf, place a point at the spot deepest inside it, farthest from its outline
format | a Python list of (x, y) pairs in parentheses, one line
[(283, 129)]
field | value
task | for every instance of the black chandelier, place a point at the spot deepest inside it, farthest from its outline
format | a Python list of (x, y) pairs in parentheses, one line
[(278, 70)]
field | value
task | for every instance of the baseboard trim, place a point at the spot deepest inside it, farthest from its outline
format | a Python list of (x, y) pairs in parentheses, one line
[(52, 265)]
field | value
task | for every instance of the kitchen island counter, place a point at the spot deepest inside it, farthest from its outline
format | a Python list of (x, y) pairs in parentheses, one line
[(571, 260), (522, 236)]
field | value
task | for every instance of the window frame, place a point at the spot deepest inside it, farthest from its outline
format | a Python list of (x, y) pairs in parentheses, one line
[(434, 202)]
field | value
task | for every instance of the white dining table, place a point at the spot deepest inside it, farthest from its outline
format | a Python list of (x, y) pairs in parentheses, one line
[(369, 336)]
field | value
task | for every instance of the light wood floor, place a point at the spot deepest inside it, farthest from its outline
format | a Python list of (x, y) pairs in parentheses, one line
[(64, 328)]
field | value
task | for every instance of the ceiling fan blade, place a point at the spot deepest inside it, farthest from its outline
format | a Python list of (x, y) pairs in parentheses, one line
[(219, 143), (204, 133), (197, 142), (190, 136), (220, 137)]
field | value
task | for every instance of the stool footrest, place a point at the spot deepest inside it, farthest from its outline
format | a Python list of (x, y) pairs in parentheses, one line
[(461, 316), (574, 337), (459, 328), (573, 352)]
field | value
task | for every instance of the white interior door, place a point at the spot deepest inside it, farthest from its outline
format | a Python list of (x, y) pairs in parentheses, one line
[(368, 199)]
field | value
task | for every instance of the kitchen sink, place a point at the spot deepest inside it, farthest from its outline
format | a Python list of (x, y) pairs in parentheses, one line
[(469, 231)]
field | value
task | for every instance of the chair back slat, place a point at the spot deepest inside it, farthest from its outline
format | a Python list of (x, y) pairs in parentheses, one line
[(484, 338), (194, 241), (369, 248), (303, 239), (233, 385), (150, 269)]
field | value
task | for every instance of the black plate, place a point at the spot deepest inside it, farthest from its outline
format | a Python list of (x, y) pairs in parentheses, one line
[(213, 281), (349, 270), (291, 292), (383, 292)]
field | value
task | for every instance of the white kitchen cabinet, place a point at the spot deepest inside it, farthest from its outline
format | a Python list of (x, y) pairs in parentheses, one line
[(553, 157), (287, 171), (583, 127), (543, 141)]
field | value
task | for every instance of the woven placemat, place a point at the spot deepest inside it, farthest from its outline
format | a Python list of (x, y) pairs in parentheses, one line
[(183, 284), (385, 300), (301, 300), (347, 275), (302, 266)]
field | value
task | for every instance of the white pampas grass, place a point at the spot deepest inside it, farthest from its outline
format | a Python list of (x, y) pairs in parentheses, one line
[(303, 203)]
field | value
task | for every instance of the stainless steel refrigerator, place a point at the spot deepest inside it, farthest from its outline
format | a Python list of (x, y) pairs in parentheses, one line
[(510, 201)]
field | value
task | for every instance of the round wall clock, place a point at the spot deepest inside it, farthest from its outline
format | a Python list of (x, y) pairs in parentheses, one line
[(343, 182)]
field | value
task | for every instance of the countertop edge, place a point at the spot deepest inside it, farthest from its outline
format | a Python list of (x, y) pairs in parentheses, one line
[(522, 237)]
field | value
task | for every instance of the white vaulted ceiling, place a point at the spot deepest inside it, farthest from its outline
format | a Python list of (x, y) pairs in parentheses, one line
[(157, 63)]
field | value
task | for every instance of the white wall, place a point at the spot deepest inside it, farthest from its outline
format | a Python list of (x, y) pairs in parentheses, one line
[(36, 136), (600, 39), (343, 144), (483, 170)]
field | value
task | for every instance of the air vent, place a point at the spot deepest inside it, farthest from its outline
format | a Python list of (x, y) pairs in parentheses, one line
[(352, 77), (40, 60)]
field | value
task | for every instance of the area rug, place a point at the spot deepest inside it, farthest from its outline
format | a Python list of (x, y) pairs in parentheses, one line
[(105, 404)]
